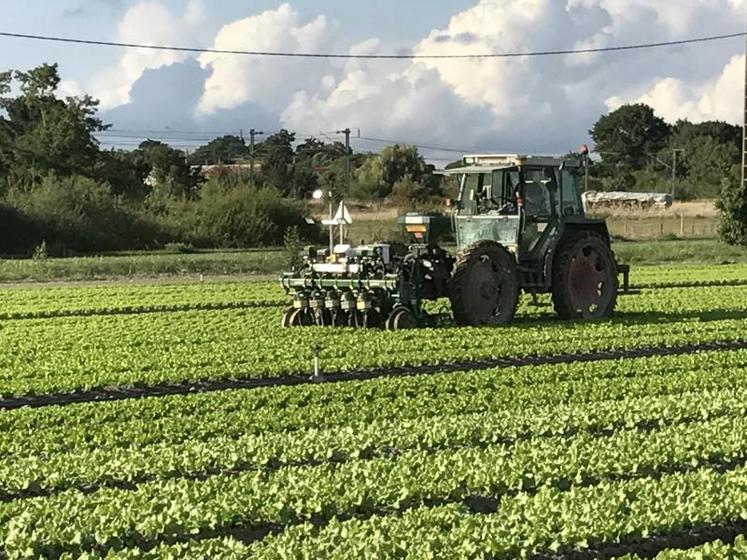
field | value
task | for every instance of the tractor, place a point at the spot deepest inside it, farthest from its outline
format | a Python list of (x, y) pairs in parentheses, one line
[(519, 225)]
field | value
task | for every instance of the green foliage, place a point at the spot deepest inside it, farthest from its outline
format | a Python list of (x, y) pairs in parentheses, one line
[(636, 149), (170, 174), (41, 251), (627, 136), (41, 134), (732, 205), (239, 215), (292, 245), (368, 183), (226, 149), (400, 161), (377, 176), (705, 163), (277, 154), (77, 214), (407, 191)]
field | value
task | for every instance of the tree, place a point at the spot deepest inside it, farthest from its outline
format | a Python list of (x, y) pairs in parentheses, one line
[(226, 149), (706, 162), (277, 156), (168, 173), (724, 133), (368, 181), (627, 137), (400, 161), (732, 204), (406, 191), (318, 164), (41, 134)]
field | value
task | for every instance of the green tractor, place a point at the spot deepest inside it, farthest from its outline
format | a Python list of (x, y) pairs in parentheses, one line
[(519, 226)]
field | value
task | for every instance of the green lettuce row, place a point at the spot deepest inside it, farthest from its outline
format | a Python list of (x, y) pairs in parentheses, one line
[(40, 471), (114, 519), (240, 344), (50, 299), (517, 394), (715, 550), (235, 413), (695, 275), (141, 309), (230, 548), (551, 520), (24, 299)]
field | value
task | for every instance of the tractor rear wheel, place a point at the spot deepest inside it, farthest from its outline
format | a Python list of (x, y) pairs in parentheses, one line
[(484, 286), (584, 278)]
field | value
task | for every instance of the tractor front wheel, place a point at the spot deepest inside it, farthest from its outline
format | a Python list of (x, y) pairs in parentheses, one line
[(484, 286), (584, 278)]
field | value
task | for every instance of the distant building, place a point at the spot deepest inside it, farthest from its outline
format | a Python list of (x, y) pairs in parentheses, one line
[(238, 169)]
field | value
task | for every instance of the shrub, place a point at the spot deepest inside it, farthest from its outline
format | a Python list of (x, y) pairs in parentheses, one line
[(239, 215), (733, 207), (406, 191), (79, 214)]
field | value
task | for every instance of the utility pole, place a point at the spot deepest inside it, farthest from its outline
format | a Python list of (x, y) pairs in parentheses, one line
[(674, 169), (346, 132), (252, 134), (744, 129)]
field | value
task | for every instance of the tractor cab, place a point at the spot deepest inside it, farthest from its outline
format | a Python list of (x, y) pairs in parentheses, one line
[(521, 202), (514, 200)]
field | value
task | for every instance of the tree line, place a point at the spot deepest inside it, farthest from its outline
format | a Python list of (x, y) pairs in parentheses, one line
[(61, 192)]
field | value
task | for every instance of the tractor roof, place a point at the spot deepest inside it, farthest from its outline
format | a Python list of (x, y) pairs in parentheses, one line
[(481, 163)]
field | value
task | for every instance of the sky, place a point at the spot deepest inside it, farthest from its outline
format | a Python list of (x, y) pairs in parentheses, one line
[(533, 105)]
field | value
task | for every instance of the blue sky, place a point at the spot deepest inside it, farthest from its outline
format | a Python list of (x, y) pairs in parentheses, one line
[(532, 105)]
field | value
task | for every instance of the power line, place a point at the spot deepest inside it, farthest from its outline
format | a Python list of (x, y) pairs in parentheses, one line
[(374, 56), (433, 147), (192, 138)]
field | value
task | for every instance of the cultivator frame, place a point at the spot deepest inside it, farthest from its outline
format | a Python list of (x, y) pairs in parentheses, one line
[(378, 285)]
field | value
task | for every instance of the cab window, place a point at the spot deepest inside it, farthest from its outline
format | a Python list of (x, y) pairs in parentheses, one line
[(571, 196), (538, 199)]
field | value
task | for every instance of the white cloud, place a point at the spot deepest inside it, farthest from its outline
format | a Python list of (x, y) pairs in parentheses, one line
[(530, 103), (148, 22), (269, 81), (717, 99), (70, 88), (537, 103)]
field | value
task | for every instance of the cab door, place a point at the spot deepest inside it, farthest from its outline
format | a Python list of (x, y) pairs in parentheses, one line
[(540, 196)]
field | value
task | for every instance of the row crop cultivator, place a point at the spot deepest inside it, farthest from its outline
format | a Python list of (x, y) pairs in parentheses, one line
[(519, 226)]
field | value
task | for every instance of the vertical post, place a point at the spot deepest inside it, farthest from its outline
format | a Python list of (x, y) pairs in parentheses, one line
[(744, 129), (674, 171), (346, 132), (331, 227), (252, 134), (682, 224), (586, 172)]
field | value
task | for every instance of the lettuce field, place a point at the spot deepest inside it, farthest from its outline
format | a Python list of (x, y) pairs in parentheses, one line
[(181, 421)]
